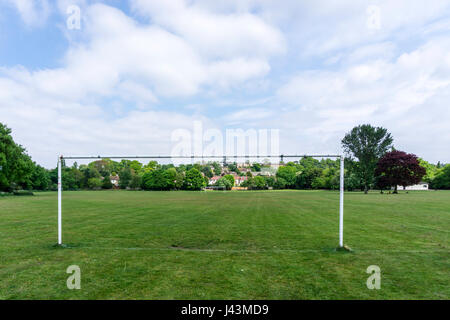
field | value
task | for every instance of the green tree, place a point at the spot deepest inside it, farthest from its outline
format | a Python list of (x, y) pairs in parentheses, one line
[(155, 180), (207, 171), (136, 166), (171, 177), (367, 144), (442, 179), (71, 178), (288, 174), (247, 183), (94, 183), (352, 181), (136, 182), (306, 178), (125, 176), (233, 167), (87, 172), (151, 165), (194, 180), (230, 178), (179, 181), (256, 167), (16, 166), (224, 182), (102, 166), (280, 183), (217, 168), (106, 183), (270, 181), (40, 178), (319, 183), (259, 183), (431, 170)]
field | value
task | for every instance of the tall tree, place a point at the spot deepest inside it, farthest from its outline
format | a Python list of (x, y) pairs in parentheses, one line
[(125, 176), (217, 168), (256, 167), (155, 180), (15, 165), (207, 171), (367, 144), (225, 183), (398, 168), (194, 180), (288, 174), (431, 170), (40, 178), (442, 179)]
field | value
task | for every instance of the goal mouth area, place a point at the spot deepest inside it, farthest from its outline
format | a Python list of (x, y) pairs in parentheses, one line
[(225, 159)]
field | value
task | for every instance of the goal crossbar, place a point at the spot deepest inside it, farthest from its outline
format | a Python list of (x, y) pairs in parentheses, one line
[(224, 157)]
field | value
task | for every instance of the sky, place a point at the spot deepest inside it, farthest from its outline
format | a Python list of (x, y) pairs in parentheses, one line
[(131, 73)]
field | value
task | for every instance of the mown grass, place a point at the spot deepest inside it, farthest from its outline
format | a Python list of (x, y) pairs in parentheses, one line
[(225, 245)]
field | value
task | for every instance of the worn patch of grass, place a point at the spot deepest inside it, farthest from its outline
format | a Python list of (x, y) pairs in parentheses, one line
[(225, 245)]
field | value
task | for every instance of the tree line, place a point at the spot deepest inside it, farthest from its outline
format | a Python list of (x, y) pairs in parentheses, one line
[(371, 163)]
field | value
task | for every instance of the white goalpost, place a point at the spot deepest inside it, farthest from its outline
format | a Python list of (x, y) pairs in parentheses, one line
[(281, 157)]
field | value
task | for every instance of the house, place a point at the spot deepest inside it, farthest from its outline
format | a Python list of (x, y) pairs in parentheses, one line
[(115, 180), (276, 166), (416, 187), (266, 172), (213, 180), (239, 179)]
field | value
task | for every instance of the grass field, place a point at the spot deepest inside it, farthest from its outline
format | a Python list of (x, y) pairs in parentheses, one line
[(225, 245)]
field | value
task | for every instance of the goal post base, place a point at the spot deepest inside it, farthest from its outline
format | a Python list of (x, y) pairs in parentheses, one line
[(62, 245), (345, 248)]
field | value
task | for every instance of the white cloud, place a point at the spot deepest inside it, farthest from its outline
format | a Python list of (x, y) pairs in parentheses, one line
[(247, 116), (32, 12), (48, 127), (62, 110), (322, 27), (381, 92), (216, 35), (118, 47)]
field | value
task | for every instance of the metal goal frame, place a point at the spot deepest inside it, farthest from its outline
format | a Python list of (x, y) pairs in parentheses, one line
[(61, 158)]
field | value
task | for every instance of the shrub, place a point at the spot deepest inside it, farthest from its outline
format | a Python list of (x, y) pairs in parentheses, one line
[(23, 193), (136, 182), (259, 183), (280, 183), (95, 183), (224, 182), (106, 184)]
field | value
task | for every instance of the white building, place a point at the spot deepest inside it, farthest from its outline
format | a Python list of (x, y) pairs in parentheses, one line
[(416, 187)]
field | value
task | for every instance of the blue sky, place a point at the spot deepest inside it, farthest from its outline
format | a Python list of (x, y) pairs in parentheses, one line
[(137, 71)]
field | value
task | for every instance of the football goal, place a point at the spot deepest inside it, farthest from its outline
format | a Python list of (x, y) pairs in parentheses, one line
[(61, 159)]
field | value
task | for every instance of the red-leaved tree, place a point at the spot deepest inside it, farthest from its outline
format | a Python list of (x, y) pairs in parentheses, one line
[(398, 168)]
